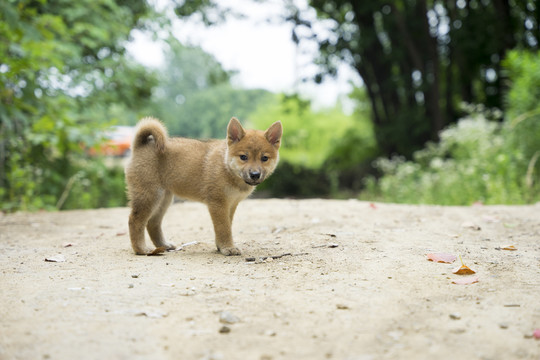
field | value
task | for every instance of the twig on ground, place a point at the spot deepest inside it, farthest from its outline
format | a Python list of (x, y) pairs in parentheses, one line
[(273, 257), (330, 245), (181, 247)]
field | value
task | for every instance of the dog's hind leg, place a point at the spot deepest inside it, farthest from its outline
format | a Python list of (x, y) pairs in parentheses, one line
[(142, 209), (154, 223)]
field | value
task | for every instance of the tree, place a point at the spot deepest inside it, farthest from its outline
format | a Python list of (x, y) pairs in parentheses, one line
[(194, 97), (62, 68), (419, 59)]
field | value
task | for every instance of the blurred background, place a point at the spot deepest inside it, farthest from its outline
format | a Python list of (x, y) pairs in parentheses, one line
[(412, 101)]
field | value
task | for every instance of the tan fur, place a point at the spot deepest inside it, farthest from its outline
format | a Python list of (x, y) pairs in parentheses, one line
[(215, 172)]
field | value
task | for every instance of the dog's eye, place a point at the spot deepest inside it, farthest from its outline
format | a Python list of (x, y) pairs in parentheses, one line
[(243, 157), (264, 158)]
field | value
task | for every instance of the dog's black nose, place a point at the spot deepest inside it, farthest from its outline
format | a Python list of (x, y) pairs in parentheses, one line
[(254, 175)]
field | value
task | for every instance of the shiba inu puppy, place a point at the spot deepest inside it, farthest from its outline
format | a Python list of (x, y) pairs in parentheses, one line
[(219, 173)]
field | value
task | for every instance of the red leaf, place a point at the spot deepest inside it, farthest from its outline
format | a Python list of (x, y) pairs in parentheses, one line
[(442, 257), (466, 281)]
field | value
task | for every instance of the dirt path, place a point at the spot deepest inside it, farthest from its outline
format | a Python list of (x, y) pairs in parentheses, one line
[(357, 284)]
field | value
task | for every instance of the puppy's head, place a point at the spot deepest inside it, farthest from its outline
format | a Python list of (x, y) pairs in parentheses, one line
[(252, 155)]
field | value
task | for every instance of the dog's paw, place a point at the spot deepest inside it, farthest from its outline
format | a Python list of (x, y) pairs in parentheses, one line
[(143, 251), (169, 246), (228, 251)]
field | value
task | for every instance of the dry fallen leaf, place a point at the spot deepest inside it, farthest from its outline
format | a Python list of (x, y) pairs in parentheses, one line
[(466, 281), (158, 251), (509, 247), (463, 270), (442, 257)]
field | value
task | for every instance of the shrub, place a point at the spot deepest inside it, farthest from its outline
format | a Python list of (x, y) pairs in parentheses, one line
[(476, 159)]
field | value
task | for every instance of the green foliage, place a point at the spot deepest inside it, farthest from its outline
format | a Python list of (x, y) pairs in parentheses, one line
[(319, 148), (194, 97), (293, 180), (310, 135), (62, 68), (419, 59), (523, 106), (476, 159), (94, 185), (470, 163)]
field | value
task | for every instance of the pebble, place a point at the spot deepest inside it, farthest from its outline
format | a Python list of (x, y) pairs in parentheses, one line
[(224, 330), (226, 317), (455, 316), (56, 258)]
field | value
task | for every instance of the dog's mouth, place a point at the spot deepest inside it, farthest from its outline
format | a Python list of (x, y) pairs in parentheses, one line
[(252, 177), (252, 182)]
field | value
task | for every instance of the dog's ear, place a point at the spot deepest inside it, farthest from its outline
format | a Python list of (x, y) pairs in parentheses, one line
[(273, 134), (235, 131)]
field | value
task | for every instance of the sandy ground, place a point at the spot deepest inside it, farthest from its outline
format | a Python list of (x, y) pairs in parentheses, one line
[(357, 284)]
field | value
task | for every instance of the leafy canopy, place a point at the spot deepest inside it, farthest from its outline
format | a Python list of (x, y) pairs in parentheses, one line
[(62, 69)]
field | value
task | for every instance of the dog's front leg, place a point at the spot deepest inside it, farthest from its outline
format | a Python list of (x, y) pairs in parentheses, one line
[(221, 217)]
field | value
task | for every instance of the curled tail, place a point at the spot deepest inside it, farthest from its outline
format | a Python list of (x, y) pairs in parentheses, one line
[(146, 127)]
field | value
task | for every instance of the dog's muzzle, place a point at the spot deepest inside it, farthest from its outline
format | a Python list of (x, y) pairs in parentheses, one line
[(255, 178)]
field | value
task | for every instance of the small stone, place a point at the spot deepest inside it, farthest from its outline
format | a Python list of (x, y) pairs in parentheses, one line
[(56, 258), (342, 307), (226, 317), (455, 316), (224, 330), (503, 325), (135, 276)]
